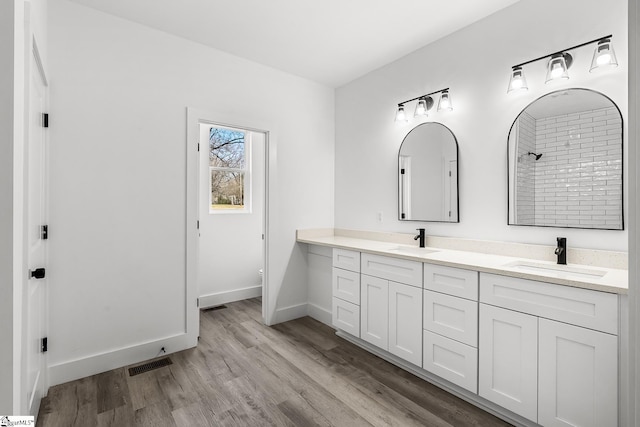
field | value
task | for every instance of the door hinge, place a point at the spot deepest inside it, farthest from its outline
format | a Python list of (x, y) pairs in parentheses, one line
[(402, 171), (197, 302), (198, 224), (44, 232), (198, 146), (38, 273), (449, 213), (45, 120), (449, 173), (45, 344)]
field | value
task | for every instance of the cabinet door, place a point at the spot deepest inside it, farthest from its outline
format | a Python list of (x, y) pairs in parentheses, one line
[(578, 376), (374, 311), (508, 360), (405, 322)]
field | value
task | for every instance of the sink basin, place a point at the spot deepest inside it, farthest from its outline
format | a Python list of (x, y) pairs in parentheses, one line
[(562, 271), (412, 250)]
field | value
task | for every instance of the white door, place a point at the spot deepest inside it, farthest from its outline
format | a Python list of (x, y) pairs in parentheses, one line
[(374, 311), (578, 376), (35, 292), (405, 322), (508, 360)]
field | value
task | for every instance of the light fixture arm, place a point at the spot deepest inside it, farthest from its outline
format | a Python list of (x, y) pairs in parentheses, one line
[(401, 104), (563, 50)]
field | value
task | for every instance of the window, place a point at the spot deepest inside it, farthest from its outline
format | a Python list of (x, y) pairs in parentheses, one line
[(229, 170)]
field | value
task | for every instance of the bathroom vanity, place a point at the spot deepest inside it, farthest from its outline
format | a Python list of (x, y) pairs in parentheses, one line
[(530, 341)]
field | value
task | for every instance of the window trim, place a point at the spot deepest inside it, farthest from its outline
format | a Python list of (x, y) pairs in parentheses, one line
[(247, 171)]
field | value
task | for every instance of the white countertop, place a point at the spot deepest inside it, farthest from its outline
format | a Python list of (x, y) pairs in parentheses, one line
[(581, 276)]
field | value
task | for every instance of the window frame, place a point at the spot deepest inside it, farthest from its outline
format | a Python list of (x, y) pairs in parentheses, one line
[(246, 171)]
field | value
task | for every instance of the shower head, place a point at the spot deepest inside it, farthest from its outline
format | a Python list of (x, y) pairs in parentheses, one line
[(534, 154)]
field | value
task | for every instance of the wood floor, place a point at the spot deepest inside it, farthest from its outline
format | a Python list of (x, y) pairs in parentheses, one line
[(246, 374)]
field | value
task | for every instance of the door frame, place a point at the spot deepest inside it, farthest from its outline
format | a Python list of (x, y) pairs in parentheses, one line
[(195, 117)]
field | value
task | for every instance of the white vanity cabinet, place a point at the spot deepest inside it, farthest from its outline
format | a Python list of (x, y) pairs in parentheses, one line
[(549, 353), (391, 311), (346, 291), (450, 316)]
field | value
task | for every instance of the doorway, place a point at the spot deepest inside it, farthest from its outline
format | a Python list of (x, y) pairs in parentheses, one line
[(197, 120), (231, 210)]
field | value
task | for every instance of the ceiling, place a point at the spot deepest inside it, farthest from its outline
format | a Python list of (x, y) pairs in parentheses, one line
[(328, 41)]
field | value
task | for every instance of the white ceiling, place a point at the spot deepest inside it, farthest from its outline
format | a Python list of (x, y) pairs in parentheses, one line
[(328, 41)]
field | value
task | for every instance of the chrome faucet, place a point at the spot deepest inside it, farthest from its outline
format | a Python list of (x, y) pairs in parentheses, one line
[(420, 236), (561, 250)]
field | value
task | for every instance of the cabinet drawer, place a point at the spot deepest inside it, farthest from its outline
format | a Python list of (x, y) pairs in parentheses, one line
[(347, 260), (346, 285), (582, 307), (452, 281), (452, 317), (346, 316), (394, 269), (451, 360)]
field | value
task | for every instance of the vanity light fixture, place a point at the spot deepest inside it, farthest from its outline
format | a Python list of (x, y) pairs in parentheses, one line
[(424, 104), (517, 81), (445, 101), (604, 56), (560, 61), (401, 116)]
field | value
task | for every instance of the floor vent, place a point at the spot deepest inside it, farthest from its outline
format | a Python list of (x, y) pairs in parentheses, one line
[(217, 307), (150, 366)]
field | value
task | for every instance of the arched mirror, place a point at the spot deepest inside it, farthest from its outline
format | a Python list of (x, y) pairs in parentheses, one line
[(428, 175), (565, 162)]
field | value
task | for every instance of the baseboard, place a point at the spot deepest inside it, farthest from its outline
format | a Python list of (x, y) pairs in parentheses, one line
[(219, 298), (75, 369), (289, 313), (320, 314)]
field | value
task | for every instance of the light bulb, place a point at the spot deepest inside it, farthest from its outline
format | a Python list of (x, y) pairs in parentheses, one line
[(445, 102)]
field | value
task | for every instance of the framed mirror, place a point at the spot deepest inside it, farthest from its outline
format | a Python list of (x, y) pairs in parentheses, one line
[(565, 162), (428, 175)]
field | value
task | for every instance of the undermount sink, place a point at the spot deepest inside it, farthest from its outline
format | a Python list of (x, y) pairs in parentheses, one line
[(563, 271), (412, 250)]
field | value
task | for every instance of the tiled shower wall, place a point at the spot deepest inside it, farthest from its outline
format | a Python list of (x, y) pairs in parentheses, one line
[(578, 179), (525, 169)]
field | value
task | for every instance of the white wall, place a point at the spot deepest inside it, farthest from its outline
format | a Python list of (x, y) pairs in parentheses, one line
[(119, 93), (475, 63), (231, 245)]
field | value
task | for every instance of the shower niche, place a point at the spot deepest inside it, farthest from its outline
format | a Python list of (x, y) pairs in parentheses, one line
[(565, 162)]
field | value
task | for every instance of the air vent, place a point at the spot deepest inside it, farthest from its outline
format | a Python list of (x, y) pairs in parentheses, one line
[(217, 307), (149, 366)]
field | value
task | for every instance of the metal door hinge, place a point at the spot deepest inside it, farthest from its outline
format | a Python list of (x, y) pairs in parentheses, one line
[(44, 232), (198, 224), (197, 302), (45, 120), (198, 146), (45, 344), (38, 273), (402, 171)]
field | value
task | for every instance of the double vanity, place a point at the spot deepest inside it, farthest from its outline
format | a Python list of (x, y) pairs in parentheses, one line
[(531, 341)]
